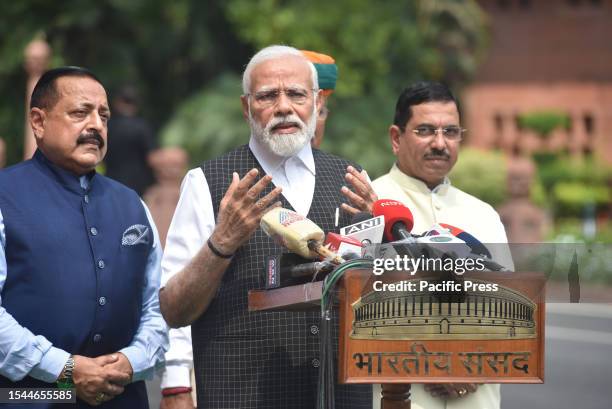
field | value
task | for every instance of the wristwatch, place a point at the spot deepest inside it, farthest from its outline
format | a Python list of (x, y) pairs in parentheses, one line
[(65, 379)]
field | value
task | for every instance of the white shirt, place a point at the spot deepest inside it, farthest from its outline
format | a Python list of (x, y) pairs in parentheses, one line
[(194, 221)]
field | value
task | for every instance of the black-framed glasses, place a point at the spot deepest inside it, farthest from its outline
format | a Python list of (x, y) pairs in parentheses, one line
[(267, 98), (450, 133)]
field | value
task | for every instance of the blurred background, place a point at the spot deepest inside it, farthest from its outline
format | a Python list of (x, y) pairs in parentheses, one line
[(534, 79)]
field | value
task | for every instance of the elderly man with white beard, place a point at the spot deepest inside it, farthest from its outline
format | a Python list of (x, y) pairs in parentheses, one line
[(215, 252)]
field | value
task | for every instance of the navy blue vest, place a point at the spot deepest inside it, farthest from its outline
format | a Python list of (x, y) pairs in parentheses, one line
[(71, 274)]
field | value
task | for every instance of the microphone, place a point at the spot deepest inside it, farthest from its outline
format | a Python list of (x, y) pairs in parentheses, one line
[(346, 247), (297, 233), (290, 269), (475, 244), (398, 219), (474, 247), (365, 228)]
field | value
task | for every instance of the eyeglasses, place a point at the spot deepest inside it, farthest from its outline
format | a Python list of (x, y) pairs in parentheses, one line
[(450, 133), (297, 96)]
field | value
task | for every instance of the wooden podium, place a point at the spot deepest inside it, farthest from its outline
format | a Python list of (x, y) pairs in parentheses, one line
[(395, 330)]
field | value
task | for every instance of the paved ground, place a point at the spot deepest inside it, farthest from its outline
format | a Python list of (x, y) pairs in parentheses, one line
[(578, 361)]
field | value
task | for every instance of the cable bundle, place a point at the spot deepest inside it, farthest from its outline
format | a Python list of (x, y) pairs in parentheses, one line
[(327, 380)]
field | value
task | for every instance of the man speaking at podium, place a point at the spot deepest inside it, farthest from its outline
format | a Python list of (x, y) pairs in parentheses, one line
[(425, 138), (217, 252)]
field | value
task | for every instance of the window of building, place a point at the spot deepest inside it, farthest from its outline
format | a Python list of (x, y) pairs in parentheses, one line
[(588, 124)]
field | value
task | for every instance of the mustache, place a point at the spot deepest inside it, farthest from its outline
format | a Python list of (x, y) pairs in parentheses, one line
[(437, 154), (285, 120), (93, 136)]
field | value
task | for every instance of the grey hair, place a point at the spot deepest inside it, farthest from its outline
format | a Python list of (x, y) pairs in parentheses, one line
[(272, 52)]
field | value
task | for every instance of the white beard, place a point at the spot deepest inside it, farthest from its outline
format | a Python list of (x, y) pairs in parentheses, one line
[(284, 145)]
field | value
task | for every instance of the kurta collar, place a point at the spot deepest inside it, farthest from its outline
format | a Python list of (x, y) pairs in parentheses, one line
[(271, 162), (417, 185), (65, 178)]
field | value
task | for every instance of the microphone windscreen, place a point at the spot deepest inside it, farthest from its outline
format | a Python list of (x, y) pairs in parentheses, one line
[(474, 244), (292, 230), (393, 212)]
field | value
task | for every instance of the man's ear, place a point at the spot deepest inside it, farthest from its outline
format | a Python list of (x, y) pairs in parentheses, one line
[(320, 101), (395, 133), (244, 99), (37, 122)]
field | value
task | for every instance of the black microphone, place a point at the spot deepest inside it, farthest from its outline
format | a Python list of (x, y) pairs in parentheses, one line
[(291, 269)]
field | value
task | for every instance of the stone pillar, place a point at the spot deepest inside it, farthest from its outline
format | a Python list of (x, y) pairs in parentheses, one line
[(36, 60)]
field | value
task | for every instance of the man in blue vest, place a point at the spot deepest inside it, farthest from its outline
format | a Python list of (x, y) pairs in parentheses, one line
[(79, 258)]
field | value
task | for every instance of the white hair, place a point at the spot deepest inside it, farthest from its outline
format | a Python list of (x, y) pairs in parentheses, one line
[(270, 53)]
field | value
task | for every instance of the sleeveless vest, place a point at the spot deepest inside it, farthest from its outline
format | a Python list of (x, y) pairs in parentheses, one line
[(264, 359), (72, 277)]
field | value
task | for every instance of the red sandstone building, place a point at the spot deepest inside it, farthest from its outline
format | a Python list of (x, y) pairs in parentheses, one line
[(544, 55)]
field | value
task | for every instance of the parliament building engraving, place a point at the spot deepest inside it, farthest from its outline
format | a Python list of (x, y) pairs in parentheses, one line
[(504, 314)]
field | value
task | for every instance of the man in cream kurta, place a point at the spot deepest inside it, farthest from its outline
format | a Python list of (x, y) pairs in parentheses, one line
[(425, 139)]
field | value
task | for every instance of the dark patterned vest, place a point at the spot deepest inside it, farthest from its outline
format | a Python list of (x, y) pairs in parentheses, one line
[(264, 359)]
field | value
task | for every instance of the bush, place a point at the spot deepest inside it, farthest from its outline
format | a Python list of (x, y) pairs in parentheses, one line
[(573, 197), (482, 174), (544, 122)]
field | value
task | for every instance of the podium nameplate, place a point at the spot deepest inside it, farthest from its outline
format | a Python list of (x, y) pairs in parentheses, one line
[(480, 327)]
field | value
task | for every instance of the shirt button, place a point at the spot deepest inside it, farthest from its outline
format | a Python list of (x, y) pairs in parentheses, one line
[(93, 231), (102, 300), (97, 338), (314, 330), (101, 264), (86, 198), (316, 363)]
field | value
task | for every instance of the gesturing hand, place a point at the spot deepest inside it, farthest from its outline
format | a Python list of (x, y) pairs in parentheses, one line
[(241, 210), (362, 197), (95, 380)]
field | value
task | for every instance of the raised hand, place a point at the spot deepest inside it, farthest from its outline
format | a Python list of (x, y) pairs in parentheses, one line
[(241, 209), (362, 196)]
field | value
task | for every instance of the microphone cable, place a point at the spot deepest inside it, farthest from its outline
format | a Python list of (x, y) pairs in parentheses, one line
[(327, 379)]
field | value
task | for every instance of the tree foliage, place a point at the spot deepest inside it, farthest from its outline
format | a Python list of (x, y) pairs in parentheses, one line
[(168, 50), (380, 48), (544, 122), (182, 55)]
